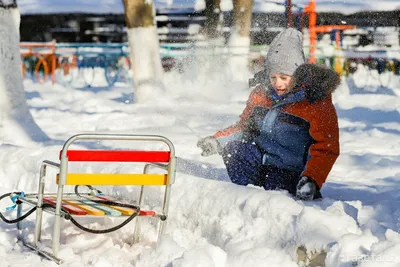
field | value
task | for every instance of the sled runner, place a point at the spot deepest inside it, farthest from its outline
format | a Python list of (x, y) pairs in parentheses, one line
[(95, 204)]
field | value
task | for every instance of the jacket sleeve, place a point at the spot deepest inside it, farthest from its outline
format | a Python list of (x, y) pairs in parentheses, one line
[(235, 131), (325, 149)]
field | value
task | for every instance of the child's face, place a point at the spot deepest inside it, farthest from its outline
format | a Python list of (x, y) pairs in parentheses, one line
[(281, 83)]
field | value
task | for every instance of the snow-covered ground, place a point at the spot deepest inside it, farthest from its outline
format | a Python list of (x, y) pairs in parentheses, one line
[(112, 6), (214, 223)]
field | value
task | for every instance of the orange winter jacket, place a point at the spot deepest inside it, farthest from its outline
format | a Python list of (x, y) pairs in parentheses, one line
[(304, 133)]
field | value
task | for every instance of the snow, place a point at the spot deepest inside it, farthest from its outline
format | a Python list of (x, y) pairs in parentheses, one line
[(212, 221), (116, 7)]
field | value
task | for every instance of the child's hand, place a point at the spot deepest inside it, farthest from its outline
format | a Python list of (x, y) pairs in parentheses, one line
[(306, 188), (209, 145)]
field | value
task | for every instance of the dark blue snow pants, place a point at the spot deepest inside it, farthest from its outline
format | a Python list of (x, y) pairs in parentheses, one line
[(243, 162)]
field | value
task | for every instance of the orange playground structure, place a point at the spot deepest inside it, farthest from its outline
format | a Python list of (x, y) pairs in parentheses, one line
[(314, 29)]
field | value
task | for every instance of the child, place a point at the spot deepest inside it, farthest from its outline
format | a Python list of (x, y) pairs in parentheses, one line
[(287, 136)]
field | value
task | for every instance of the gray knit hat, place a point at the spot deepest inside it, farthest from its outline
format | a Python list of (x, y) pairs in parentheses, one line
[(285, 53)]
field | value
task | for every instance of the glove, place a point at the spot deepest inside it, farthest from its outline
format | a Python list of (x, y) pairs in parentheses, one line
[(209, 145), (306, 188)]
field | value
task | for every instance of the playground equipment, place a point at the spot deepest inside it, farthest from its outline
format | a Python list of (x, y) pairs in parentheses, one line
[(78, 63), (95, 204), (44, 59), (313, 29)]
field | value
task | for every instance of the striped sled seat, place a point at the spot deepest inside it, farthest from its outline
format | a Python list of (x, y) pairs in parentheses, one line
[(94, 204)]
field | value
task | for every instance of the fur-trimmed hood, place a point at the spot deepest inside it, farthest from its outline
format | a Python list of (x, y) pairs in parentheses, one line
[(317, 80)]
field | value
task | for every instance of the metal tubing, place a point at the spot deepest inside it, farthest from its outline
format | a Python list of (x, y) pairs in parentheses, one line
[(167, 195), (117, 137), (47, 209), (28, 201), (39, 211), (156, 164), (136, 235), (289, 13), (172, 169), (163, 224), (44, 253), (64, 170), (19, 211), (57, 223), (53, 62), (51, 164)]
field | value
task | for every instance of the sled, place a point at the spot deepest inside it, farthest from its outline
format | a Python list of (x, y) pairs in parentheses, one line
[(95, 204)]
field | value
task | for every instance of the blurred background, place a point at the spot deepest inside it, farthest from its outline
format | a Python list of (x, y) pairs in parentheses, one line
[(346, 35), (183, 20)]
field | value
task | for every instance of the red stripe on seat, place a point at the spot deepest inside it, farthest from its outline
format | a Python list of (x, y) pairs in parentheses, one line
[(71, 209), (118, 155)]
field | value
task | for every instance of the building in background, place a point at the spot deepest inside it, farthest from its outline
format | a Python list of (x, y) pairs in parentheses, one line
[(184, 24)]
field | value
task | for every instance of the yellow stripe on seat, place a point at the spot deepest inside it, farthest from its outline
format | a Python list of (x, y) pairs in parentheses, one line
[(115, 179), (123, 210)]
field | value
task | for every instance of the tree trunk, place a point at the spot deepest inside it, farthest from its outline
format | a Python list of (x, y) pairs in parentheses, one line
[(16, 123), (242, 14), (213, 12), (144, 49), (239, 40)]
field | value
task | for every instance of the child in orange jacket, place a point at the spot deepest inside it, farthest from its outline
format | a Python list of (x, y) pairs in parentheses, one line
[(287, 136)]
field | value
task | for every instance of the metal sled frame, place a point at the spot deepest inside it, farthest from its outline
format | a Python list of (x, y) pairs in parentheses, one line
[(64, 178)]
